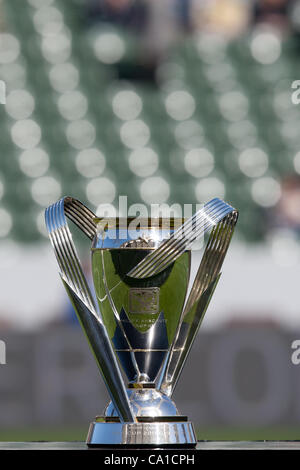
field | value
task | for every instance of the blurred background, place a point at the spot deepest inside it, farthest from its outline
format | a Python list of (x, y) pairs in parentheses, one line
[(173, 101)]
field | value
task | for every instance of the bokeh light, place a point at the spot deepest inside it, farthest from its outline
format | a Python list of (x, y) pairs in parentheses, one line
[(143, 161), (64, 77), (90, 162), (242, 134), (48, 20), (26, 133), (9, 48), (109, 47), (253, 162), (127, 105), (56, 48), (234, 105), (266, 47), (135, 134), (45, 190), (72, 105), (208, 188), (13, 74), (20, 104), (81, 134), (189, 134), (266, 191), (101, 190), (180, 105), (34, 162), (161, 193), (199, 162)]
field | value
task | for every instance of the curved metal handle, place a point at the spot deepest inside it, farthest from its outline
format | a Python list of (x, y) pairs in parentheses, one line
[(205, 282), (62, 242), (80, 295), (182, 239)]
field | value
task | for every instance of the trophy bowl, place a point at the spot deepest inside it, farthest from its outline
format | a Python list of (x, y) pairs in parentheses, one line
[(150, 305)]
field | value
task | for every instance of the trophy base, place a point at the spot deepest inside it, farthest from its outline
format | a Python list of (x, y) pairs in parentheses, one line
[(147, 433)]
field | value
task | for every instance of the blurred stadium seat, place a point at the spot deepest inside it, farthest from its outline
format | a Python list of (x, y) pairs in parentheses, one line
[(217, 120)]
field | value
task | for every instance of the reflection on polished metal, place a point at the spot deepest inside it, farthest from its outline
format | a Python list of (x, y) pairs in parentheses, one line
[(150, 307), (177, 434), (181, 239), (81, 298)]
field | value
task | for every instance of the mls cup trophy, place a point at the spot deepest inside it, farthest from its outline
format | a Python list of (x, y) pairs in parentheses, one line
[(150, 304)]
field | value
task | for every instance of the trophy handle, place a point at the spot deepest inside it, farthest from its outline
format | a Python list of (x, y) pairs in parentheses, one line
[(205, 282), (78, 290), (182, 239), (64, 248)]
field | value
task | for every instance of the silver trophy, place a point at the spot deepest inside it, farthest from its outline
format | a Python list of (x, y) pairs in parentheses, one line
[(149, 308)]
